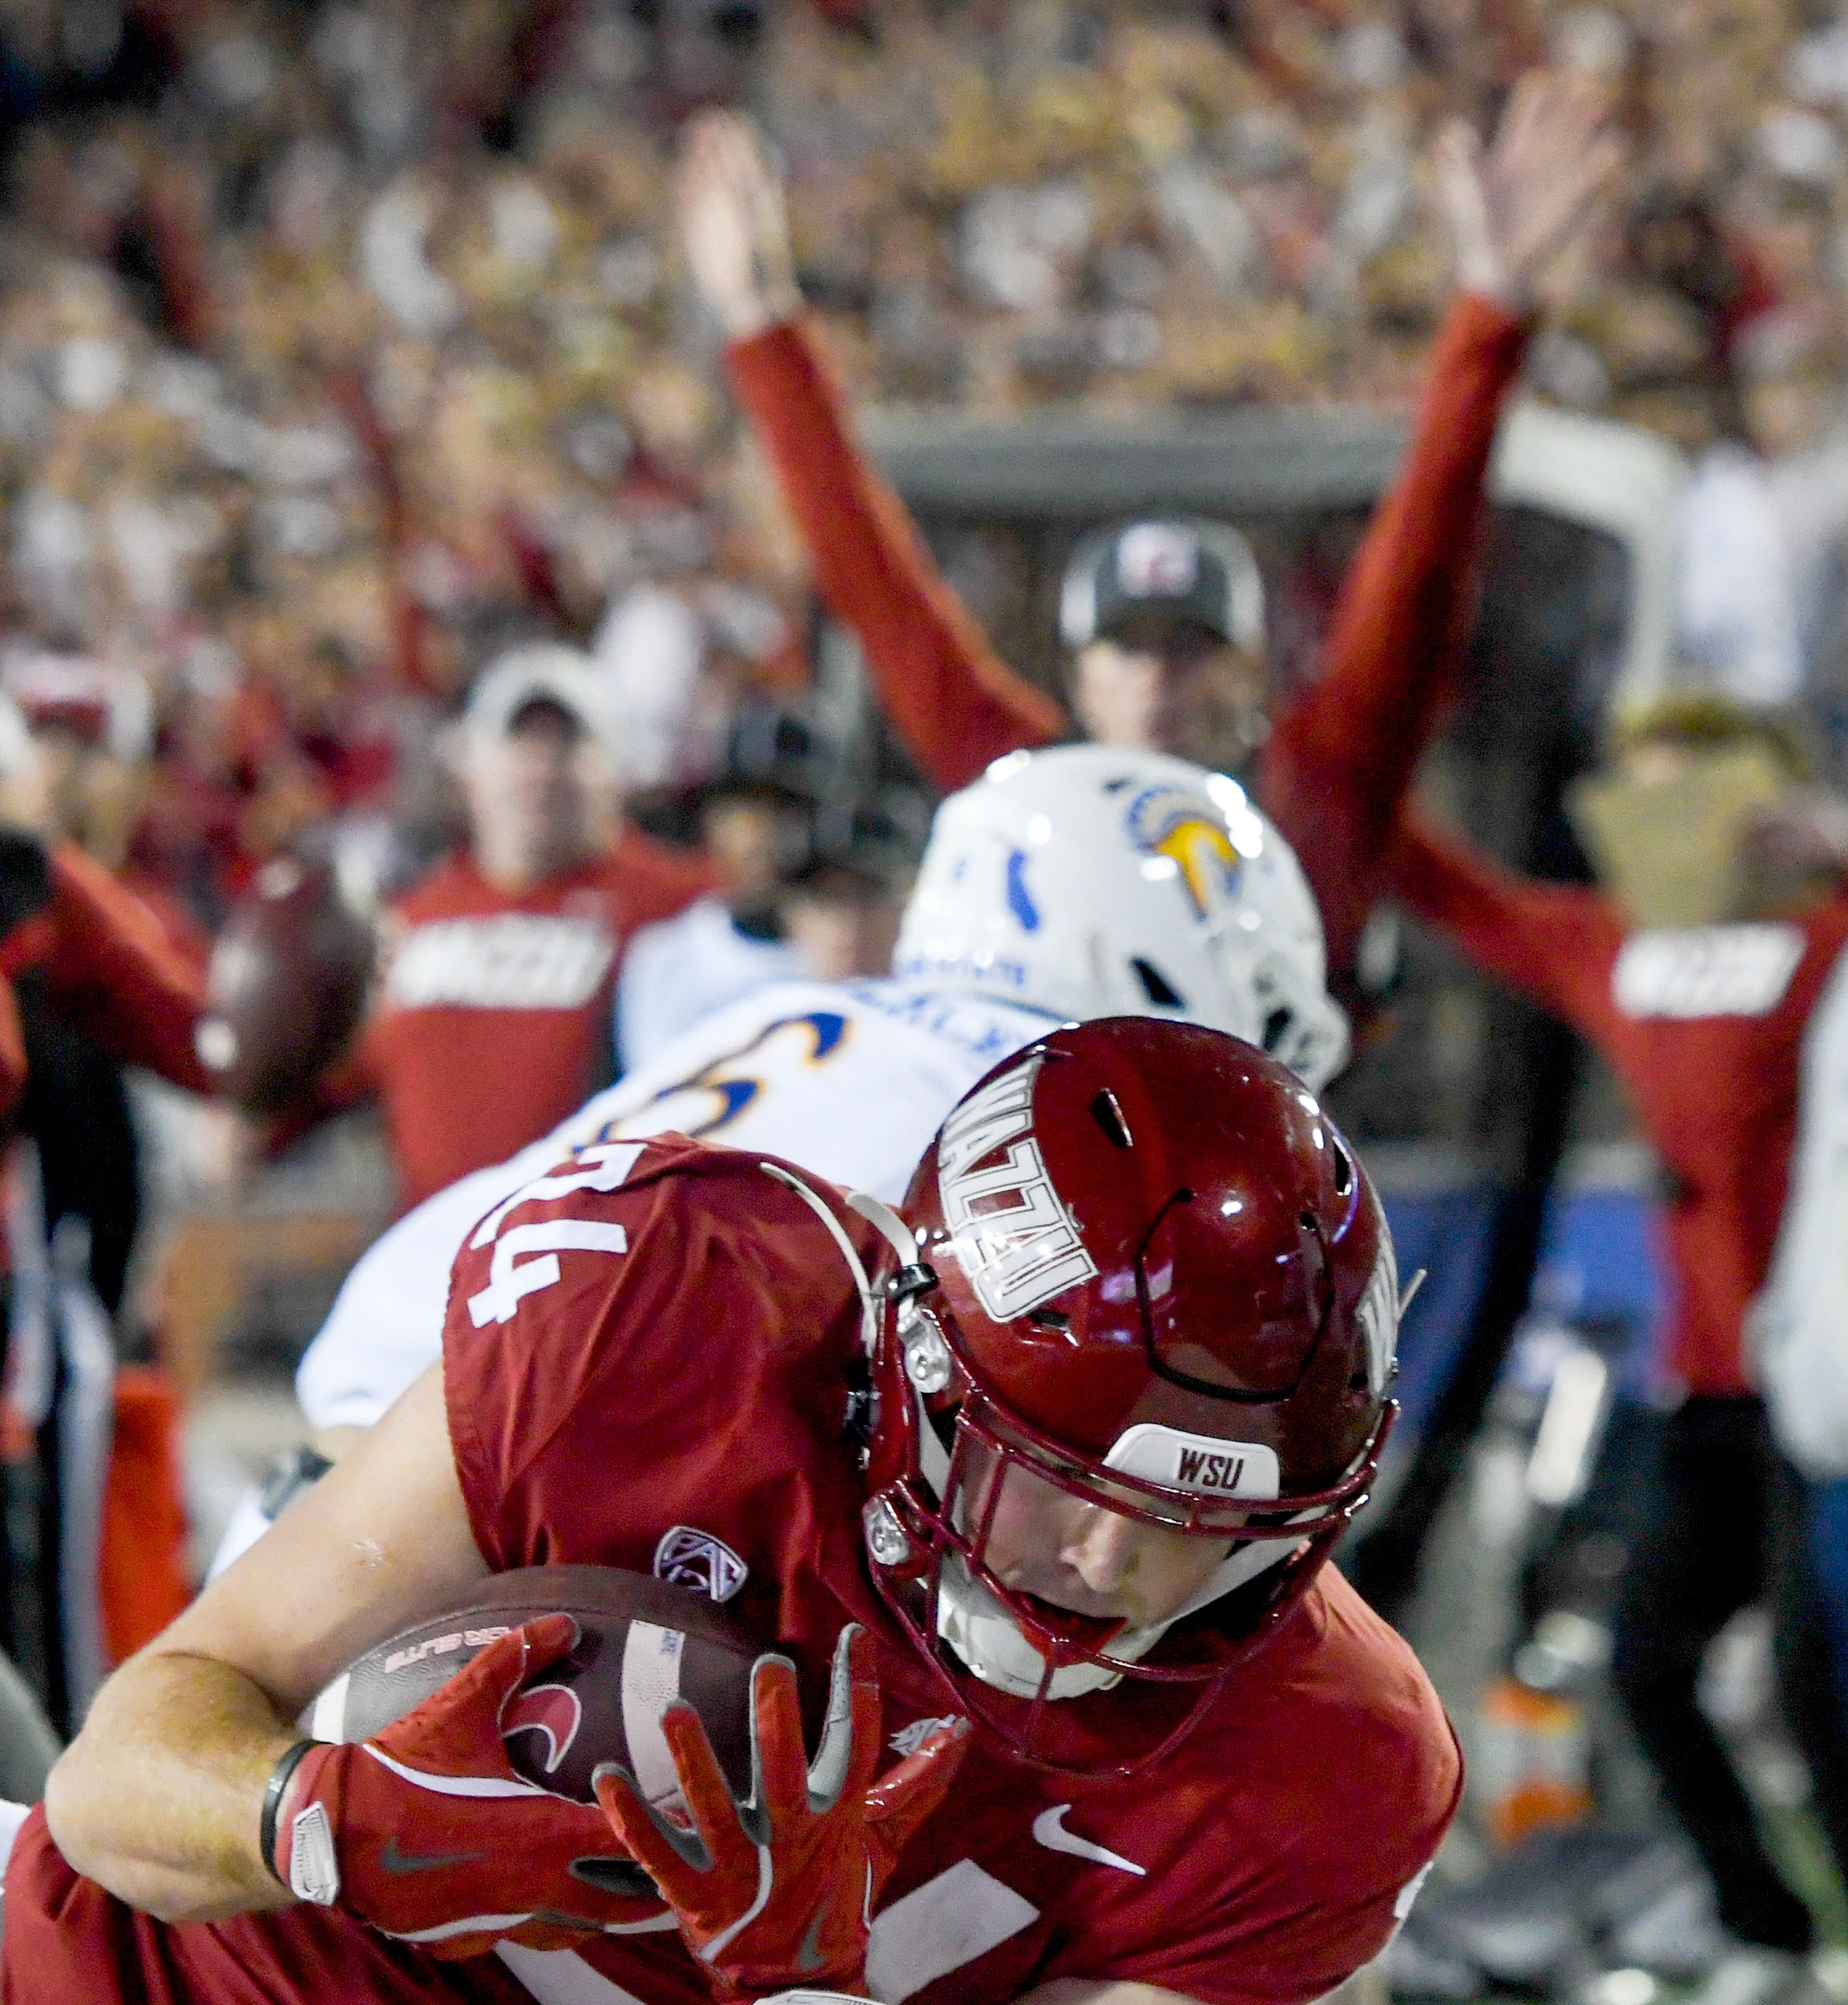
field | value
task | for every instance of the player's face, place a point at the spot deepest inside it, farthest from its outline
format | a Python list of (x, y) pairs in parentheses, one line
[(1175, 690), (1082, 1557)]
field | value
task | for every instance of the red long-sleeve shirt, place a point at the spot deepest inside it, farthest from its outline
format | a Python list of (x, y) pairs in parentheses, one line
[(1340, 756), (1704, 1027), (111, 966), (492, 1020)]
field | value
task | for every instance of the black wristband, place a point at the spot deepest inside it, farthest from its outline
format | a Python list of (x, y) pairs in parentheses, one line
[(273, 1800)]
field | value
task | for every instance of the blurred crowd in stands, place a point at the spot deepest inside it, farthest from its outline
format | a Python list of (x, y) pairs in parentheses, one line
[(342, 345)]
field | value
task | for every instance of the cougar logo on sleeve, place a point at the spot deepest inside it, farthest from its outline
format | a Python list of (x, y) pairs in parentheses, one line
[(1013, 1237)]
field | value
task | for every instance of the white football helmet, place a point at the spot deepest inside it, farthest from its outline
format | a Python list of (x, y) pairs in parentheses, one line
[(1095, 881)]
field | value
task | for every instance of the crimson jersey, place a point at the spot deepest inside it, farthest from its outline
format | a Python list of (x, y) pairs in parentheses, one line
[(676, 1395), (494, 1015), (112, 967), (1704, 1028), (653, 1374)]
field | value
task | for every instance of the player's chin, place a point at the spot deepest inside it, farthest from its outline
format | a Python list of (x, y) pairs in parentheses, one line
[(1054, 1602)]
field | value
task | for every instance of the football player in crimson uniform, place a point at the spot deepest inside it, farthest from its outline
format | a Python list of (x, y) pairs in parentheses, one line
[(1046, 1469), (1077, 882)]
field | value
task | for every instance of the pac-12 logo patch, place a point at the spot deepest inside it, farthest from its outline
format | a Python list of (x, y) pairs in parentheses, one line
[(690, 1557)]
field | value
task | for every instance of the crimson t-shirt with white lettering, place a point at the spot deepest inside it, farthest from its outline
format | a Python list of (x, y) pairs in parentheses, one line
[(1704, 1026), (662, 1385), (492, 1021)]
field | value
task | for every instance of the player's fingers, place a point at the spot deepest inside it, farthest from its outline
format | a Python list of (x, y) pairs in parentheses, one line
[(1575, 193), (862, 1668), (494, 1675), (713, 1809), (1457, 164), (779, 1767), (849, 1749), (1525, 103), (900, 1802), (666, 1856)]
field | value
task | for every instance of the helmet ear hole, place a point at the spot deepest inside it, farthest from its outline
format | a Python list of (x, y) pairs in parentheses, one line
[(1156, 987), (1343, 1170), (1109, 1116)]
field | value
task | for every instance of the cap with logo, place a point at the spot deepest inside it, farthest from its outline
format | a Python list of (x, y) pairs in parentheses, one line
[(543, 674), (1181, 570)]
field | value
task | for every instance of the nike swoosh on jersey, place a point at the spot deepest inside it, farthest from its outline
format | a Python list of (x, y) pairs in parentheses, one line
[(395, 1861), (1048, 1830)]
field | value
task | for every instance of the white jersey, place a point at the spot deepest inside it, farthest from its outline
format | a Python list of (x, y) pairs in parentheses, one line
[(849, 1081)]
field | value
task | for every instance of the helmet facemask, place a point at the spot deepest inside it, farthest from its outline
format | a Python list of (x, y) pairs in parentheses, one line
[(1011, 1657), (1159, 1286)]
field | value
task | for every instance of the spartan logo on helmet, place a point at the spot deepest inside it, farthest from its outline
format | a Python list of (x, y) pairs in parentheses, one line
[(1195, 837)]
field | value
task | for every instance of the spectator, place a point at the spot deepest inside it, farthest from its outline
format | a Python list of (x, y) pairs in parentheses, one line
[(1703, 1023), (492, 1017), (730, 941), (89, 981), (1165, 619)]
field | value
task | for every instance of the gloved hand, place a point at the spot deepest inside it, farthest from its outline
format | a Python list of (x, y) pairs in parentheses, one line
[(426, 1832), (780, 1891)]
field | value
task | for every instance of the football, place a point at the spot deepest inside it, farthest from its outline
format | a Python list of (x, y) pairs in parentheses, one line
[(287, 986), (641, 1644)]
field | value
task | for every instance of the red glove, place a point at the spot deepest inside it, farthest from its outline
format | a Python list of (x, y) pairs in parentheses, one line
[(425, 1831), (780, 1891)]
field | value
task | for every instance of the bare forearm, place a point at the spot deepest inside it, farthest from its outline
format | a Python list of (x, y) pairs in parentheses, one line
[(158, 1799)]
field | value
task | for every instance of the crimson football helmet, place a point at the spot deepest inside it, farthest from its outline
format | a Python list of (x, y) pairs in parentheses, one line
[(1141, 1268)]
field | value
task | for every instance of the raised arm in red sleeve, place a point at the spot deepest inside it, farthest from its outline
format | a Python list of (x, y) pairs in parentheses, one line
[(1335, 770), (1554, 943), (954, 703), (111, 967)]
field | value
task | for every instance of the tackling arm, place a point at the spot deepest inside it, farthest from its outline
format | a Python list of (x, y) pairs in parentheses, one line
[(160, 1798)]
